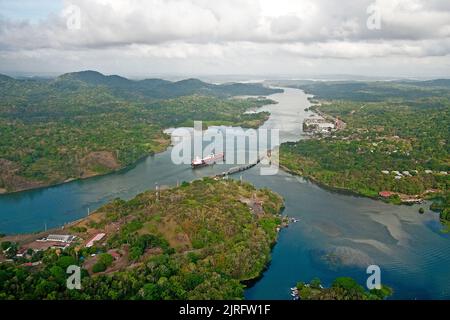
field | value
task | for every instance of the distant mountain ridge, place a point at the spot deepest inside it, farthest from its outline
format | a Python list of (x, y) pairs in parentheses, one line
[(95, 78), (162, 89), (435, 83), (409, 90), (83, 124), (5, 78)]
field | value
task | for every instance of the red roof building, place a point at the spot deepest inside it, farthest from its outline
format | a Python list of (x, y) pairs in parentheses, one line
[(115, 254), (386, 194)]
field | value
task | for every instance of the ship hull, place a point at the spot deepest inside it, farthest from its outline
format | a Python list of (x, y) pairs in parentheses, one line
[(207, 162)]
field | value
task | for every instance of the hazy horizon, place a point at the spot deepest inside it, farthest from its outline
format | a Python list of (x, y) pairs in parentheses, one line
[(221, 78)]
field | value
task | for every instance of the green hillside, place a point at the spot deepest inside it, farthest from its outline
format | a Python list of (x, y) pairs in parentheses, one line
[(197, 241), (84, 124)]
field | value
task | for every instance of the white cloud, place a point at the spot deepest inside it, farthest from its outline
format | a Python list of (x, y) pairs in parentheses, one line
[(241, 34)]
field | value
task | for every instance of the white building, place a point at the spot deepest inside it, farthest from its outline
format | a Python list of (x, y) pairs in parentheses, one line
[(326, 126), (60, 238), (97, 237)]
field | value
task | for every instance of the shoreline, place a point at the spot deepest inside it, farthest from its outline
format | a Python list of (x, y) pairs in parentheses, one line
[(72, 180), (169, 144), (343, 191), (315, 109), (118, 170), (322, 185), (315, 105), (24, 238)]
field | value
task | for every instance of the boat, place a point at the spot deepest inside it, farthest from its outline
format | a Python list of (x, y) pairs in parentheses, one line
[(206, 161)]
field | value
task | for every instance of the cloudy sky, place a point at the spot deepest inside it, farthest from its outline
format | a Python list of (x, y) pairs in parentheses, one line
[(405, 38)]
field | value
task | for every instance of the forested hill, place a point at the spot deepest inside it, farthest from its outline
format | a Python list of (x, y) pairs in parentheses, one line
[(201, 240), (374, 91), (161, 89), (84, 124), (394, 144)]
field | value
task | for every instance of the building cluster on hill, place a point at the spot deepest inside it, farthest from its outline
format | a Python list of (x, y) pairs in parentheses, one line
[(399, 175), (319, 124), (404, 198), (54, 241)]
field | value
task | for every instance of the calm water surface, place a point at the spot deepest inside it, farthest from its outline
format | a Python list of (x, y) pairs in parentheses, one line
[(337, 235)]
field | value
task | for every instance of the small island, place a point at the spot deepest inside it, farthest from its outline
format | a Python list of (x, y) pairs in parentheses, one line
[(343, 288)]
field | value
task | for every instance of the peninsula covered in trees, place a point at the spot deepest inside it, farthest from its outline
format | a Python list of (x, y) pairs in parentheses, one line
[(343, 288), (201, 240)]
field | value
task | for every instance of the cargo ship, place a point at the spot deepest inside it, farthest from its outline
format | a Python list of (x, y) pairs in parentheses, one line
[(207, 161)]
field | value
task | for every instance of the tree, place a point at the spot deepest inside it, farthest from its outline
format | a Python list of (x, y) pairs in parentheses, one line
[(315, 283), (58, 273), (105, 259), (98, 267), (150, 291), (351, 288), (65, 261), (5, 245)]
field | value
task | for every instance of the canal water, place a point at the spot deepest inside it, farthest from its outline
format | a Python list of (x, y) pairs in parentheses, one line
[(336, 235)]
